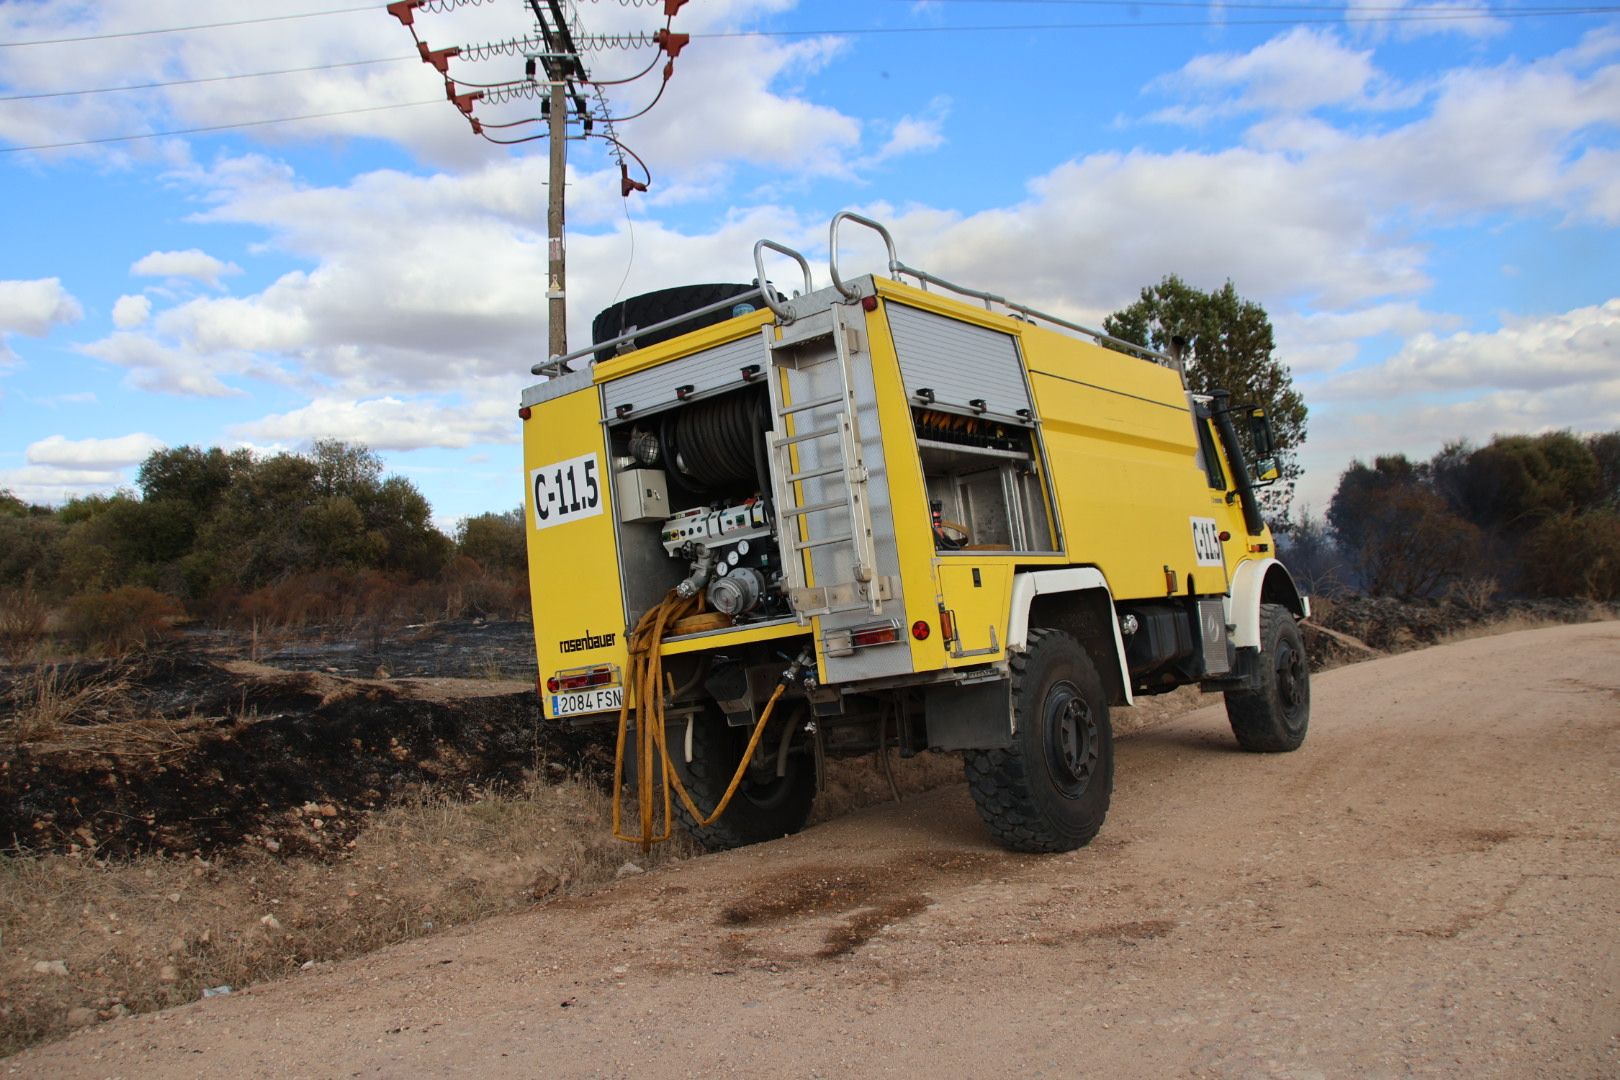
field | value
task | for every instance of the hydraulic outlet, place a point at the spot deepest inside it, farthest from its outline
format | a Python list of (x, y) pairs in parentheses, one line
[(732, 553)]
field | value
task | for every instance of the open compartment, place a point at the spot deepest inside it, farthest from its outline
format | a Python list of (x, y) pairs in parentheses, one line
[(984, 484)]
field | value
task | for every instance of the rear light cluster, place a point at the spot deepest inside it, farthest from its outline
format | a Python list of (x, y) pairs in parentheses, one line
[(845, 642), (582, 679), (886, 634)]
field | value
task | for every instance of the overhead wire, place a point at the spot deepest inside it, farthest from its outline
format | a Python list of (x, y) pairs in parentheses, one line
[(205, 79), (1138, 24), (1394, 14), (1218, 4), (216, 127), (186, 29)]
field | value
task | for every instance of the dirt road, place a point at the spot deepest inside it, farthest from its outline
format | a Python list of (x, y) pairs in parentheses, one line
[(1428, 887)]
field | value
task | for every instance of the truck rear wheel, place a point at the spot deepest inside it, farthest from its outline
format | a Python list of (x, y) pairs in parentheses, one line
[(1049, 791), (765, 807), (1274, 718)]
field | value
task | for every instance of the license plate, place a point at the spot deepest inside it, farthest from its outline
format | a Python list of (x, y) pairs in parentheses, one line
[(596, 699)]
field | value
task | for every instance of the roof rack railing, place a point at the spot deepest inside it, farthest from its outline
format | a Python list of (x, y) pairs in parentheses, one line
[(990, 300), (787, 311), (558, 365)]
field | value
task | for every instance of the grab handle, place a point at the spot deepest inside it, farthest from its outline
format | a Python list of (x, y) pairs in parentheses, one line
[(783, 311), (849, 291)]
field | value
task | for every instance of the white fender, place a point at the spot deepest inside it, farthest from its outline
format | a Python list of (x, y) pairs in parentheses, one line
[(1243, 606), (1030, 584)]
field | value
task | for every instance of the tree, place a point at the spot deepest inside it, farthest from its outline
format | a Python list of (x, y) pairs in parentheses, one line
[(1605, 450), (1400, 536), (191, 475), (1519, 481), (494, 541), (1228, 346), (345, 469)]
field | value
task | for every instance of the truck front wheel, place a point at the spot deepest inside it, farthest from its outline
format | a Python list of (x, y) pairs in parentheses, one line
[(765, 807), (1273, 719), (1049, 791)]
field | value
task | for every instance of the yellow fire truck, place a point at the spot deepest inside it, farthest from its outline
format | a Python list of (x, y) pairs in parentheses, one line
[(893, 512)]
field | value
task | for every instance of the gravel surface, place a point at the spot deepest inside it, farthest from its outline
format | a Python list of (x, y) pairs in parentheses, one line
[(1427, 888)]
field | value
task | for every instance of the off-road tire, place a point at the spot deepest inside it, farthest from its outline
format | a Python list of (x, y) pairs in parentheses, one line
[(651, 308), (1274, 718), (758, 811), (1049, 791)]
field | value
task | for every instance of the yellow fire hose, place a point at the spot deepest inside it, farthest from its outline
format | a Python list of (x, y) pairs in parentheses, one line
[(646, 678)]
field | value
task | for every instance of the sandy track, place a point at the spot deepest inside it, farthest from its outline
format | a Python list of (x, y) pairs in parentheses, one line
[(1428, 887)]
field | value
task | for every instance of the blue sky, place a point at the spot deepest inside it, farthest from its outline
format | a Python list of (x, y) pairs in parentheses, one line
[(1425, 197)]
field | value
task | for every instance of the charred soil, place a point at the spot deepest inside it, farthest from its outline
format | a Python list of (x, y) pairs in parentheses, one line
[(175, 751)]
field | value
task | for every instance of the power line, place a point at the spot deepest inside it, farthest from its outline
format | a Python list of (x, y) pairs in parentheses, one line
[(1138, 24), (183, 29), (1210, 4), (217, 127), (208, 79), (1395, 14)]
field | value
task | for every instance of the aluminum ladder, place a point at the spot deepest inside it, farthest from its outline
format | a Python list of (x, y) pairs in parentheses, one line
[(824, 427)]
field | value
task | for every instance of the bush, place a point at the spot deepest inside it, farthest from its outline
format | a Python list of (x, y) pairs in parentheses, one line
[(121, 619), (23, 616), (1575, 555)]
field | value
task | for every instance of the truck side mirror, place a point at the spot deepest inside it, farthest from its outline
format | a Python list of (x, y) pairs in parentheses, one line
[(1266, 469)]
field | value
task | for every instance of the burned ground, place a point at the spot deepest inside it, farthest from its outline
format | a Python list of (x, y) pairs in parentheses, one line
[(181, 749), (190, 753)]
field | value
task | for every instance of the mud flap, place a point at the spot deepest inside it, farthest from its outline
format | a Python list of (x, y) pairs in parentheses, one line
[(971, 716)]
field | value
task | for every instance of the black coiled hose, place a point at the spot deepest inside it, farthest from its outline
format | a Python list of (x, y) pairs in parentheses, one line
[(712, 445)]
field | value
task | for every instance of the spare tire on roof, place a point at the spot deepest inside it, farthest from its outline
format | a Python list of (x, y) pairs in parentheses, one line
[(652, 308)]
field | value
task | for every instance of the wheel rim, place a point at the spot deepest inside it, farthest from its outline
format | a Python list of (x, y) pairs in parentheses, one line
[(1293, 680), (769, 794), (1072, 739)]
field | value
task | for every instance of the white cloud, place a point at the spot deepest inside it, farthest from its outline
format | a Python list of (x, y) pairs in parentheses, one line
[(192, 263), (93, 454), (1534, 374), (731, 99), (1094, 231), (46, 484), (1294, 72), (1499, 139), (1377, 19), (391, 423), (1534, 354), (33, 308), (130, 312), (165, 369), (1323, 340), (915, 134)]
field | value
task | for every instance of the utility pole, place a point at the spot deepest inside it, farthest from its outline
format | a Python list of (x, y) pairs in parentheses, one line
[(554, 48), (557, 274)]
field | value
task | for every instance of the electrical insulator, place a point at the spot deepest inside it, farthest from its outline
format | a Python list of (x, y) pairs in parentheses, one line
[(439, 58), (671, 43), (402, 9)]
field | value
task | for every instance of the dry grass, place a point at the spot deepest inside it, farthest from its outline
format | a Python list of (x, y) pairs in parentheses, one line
[(48, 703), (1512, 624), (157, 931)]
